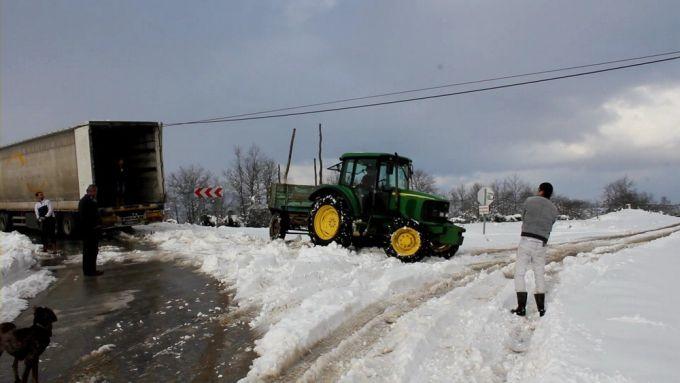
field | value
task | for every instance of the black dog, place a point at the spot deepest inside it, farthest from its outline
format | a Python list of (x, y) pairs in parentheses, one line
[(28, 343)]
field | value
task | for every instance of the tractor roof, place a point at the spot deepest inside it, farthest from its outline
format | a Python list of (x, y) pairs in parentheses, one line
[(371, 155)]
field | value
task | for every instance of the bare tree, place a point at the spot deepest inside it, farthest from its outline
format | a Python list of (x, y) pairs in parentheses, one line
[(464, 201), (514, 191), (423, 182), (574, 208), (183, 204), (622, 192), (249, 177)]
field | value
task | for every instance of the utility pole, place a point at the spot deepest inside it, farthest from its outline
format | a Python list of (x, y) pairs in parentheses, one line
[(320, 160), (315, 175), (290, 155)]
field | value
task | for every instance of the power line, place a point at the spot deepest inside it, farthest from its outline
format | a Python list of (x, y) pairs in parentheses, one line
[(255, 116), (437, 87)]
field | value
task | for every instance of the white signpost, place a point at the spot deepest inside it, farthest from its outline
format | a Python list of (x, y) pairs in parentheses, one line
[(484, 197)]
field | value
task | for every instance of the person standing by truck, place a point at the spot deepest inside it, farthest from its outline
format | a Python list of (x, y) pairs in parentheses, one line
[(121, 178), (538, 218), (89, 226), (45, 216)]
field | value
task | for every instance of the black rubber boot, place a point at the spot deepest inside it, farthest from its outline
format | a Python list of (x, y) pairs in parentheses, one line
[(521, 309), (540, 303)]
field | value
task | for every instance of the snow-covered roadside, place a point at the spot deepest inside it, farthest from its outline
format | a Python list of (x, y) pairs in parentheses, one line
[(301, 293), (610, 319), (20, 277), (627, 221)]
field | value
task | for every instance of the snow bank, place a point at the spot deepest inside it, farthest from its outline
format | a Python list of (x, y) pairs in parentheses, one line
[(611, 318), (20, 277), (614, 320), (302, 294), (621, 222)]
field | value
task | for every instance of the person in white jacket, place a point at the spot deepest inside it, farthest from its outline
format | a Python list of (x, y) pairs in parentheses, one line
[(45, 216)]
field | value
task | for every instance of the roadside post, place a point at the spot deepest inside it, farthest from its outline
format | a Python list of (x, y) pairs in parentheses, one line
[(484, 197)]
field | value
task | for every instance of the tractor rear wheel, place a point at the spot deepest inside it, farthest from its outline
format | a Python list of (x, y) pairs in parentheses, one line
[(330, 221), (278, 226), (406, 241)]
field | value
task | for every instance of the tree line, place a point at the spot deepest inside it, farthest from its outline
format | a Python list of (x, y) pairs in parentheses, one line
[(251, 173), (244, 201)]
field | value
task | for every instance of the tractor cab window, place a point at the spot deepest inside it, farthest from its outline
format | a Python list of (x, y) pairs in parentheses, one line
[(403, 176), (347, 169), (365, 173), (393, 175)]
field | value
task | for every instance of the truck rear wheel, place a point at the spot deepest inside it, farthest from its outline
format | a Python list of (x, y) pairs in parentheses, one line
[(67, 225), (406, 241), (329, 221), (278, 226), (5, 222)]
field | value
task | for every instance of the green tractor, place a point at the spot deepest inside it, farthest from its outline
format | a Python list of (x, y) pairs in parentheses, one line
[(371, 205)]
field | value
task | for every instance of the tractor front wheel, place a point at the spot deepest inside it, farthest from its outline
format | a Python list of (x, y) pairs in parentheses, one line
[(446, 251), (330, 221), (406, 241)]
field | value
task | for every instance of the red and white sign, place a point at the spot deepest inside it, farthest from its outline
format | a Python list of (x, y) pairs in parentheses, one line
[(484, 209), (214, 192)]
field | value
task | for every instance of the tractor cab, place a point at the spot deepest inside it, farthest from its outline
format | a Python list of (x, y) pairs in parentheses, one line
[(373, 178)]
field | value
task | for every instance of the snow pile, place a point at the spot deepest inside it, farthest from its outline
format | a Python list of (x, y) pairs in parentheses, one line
[(301, 294), (20, 277), (103, 349)]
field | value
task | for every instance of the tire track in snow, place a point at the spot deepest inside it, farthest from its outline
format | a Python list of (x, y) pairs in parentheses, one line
[(328, 359)]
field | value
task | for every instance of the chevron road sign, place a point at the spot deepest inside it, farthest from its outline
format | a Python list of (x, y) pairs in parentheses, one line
[(213, 192)]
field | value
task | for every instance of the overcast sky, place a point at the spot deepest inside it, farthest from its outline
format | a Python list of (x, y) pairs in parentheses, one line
[(65, 62)]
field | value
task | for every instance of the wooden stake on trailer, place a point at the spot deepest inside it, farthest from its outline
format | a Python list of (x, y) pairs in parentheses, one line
[(315, 182), (320, 160), (290, 155)]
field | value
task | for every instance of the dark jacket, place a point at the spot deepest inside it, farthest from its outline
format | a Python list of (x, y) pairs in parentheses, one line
[(88, 210)]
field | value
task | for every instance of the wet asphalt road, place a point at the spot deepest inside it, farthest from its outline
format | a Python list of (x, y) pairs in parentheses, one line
[(167, 323)]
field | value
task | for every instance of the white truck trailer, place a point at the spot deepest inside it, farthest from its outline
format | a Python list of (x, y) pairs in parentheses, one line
[(64, 163)]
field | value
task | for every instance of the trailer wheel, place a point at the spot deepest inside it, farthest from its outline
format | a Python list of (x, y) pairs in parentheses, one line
[(329, 221), (5, 222), (405, 241), (67, 225), (278, 226)]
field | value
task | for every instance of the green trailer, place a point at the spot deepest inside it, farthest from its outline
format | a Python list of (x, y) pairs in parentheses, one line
[(371, 205)]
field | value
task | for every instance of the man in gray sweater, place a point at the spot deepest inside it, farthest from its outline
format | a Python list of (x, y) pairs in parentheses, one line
[(538, 217)]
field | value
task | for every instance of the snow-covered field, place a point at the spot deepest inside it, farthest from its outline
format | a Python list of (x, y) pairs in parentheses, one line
[(20, 276), (333, 313)]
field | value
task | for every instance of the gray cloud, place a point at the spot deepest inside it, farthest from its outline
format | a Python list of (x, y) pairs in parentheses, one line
[(66, 62)]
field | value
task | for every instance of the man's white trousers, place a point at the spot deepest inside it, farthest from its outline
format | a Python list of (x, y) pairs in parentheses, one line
[(530, 253)]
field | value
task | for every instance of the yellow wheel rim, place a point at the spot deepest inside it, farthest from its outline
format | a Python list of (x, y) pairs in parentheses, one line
[(406, 241), (326, 222)]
